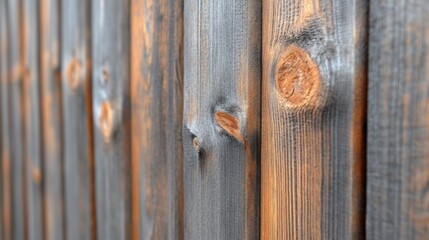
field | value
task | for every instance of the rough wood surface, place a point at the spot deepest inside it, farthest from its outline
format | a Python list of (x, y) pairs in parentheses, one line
[(398, 123), (6, 214), (111, 114), (313, 113), (221, 118), (77, 119), (15, 119), (157, 103), (51, 119), (31, 118)]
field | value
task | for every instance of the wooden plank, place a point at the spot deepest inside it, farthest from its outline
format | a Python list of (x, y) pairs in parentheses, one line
[(4, 102), (111, 113), (313, 114), (398, 123), (221, 118), (77, 113), (2, 79), (15, 119), (157, 103), (51, 119), (31, 119)]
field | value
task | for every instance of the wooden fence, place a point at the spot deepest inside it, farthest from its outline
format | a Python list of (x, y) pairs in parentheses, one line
[(214, 119)]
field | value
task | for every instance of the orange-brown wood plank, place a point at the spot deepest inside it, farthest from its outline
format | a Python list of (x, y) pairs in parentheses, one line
[(79, 192), (398, 121), (157, 103), (50, 78), (313, 115), (15, 119), (222, 80), (112, 121), (31, 112)]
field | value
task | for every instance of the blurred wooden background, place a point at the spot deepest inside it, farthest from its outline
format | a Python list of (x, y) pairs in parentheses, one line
[(214, 119)]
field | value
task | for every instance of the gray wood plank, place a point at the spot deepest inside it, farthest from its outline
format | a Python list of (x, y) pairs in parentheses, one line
[(50, 77), (221, 129), (15, 119), (157, 105), (31, 119), (313, 115), (398, 123), (2, 76), (77, 120), (6, 215), (111, 113)]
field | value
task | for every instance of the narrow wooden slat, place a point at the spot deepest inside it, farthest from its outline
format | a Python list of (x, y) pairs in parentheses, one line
[(2, 75), (15, 119), (111, 113), (6, 215), (77, 119), (313, 113), (221, 118), (398, 123), (51, 118), (157, 103), (31, 119)]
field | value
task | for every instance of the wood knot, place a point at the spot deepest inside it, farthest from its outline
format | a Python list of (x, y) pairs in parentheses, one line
[(105, 120), (73, 74), (197, 145), (229, 123), (37, 175), (104, 76), (298, 78)]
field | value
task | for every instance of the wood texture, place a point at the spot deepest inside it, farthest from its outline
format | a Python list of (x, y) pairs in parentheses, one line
[(50, 74), (398, 123), (313, 114), (6, 215), (77, 120), (3, 78), (157, 103), (31, 119), (222, 98), (15, 120), (111, 113)]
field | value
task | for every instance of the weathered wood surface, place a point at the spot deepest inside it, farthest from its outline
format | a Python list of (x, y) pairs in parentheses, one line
[(3, 79), (6, 214), (313, 112), (112, 121), (77, 119), (398, 123), (221, 118), (31, 145), (15, 119), (51, 119), (157, 103)]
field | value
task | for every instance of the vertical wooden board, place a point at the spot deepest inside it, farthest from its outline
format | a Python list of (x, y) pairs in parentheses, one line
[(77, 119), (6, 215), (313, 115), (2, 76), (157, 103), (51, 118), (111, 113), (15, 119), (221, 118), (31, 118), (398, 123)]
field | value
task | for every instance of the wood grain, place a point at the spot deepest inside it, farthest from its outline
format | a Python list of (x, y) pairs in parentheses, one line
[(313, 115), (111, 114), (398, 123), (77, 120), (52, 122), (6, 215), (157, 106), (3, 71), (222, 102), (32, 148), (15, 119)]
